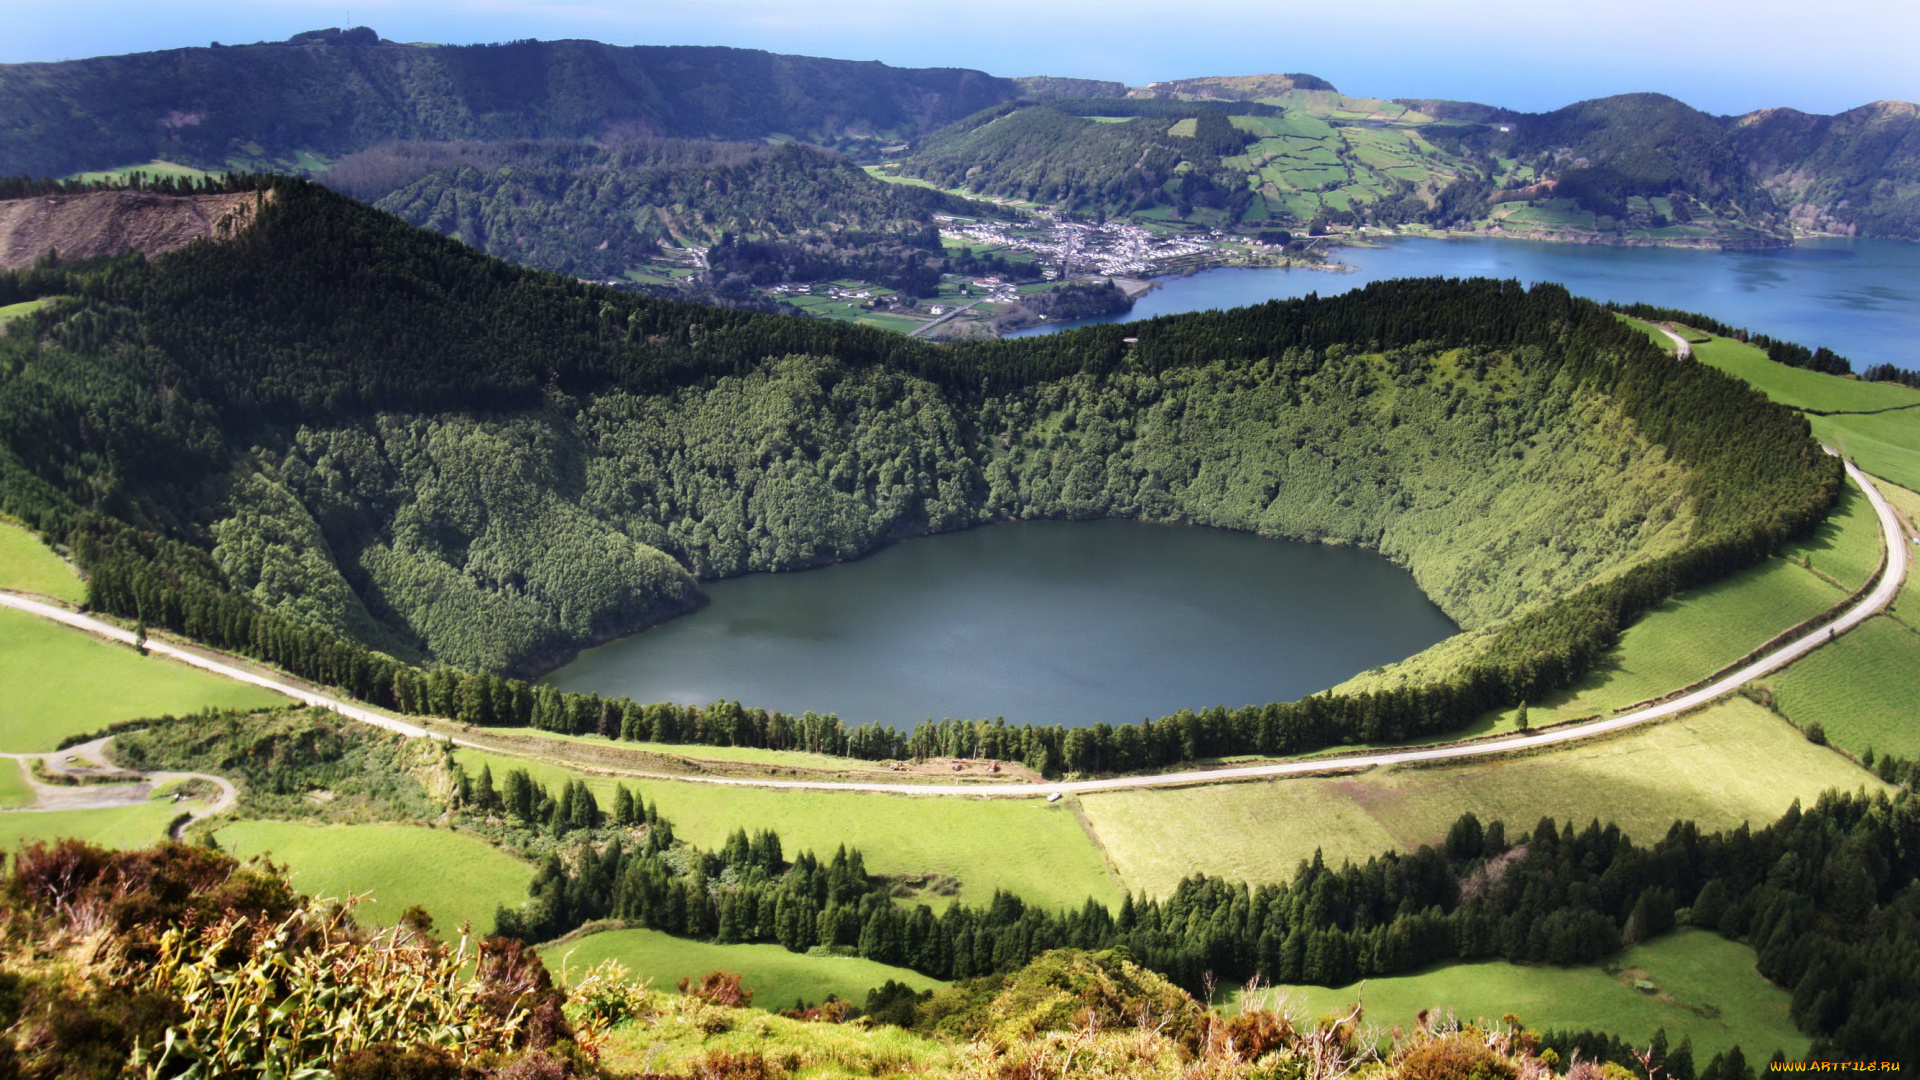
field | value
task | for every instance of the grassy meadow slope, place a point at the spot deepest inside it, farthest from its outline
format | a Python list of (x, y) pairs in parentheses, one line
[(1729, 763), (133, 826), (779, 979), (28, 565), (1704, 989), (457, 877), (56, 681), (1031, 848)]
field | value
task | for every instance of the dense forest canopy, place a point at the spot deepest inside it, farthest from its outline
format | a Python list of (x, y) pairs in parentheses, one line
[(336, 432), (597, 211)]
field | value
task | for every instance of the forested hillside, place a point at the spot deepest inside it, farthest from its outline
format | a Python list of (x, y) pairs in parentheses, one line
[(1855, 172), (336, 428), (296, 104), (597, 211)]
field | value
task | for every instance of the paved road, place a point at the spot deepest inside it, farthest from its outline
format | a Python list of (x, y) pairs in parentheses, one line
[(1872, 604)]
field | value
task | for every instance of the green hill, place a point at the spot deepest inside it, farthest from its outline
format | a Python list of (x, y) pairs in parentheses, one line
[(1854, 172), (298, 104), (600, 211), (336, 432)]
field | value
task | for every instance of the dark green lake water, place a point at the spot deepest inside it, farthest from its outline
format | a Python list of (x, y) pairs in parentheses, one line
[(1042, 622)]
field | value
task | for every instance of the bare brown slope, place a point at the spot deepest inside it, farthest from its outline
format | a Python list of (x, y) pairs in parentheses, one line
[(116, 222)]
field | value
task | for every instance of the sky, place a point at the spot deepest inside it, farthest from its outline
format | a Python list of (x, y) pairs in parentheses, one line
[(1725, 56)]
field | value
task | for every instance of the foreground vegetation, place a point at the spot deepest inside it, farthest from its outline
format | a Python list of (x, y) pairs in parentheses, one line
[(1800, 889), (185, 988)]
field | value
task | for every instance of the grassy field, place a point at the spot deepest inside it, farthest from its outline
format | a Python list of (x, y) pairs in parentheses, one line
[(1730, 763), (779, 978), (13, 784), (1705, 989), (1799, 387), (1886, 444), (120, 827), (156, 169), (27, 565), (1028, 847), (456, 876), (1692, 636), (10, 312), (1863, 689), (56, 681), (1653, 333)]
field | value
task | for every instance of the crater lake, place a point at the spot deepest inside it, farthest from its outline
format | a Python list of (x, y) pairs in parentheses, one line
[(1039, 622)]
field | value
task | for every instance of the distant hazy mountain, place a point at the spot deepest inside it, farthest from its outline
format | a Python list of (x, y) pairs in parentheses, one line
[(1640, 168), (330, 93)]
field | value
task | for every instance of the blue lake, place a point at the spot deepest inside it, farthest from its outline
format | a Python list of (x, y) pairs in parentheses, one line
[(1860, 298)]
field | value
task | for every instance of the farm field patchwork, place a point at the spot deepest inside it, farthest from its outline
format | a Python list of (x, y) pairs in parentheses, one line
[(56, 681), (779, 978), (1705, 989), (119, 827), (27, 565), (1731, 762), (1028, 847), (457, 877)]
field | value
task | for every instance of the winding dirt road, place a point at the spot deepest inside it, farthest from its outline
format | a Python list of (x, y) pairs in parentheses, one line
[(1870, 605), (109, 794), (1682, 347)]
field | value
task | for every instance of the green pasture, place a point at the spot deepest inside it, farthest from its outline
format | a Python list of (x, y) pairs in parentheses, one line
[(883, 172), (1653, 333), (10, 312), (1729, 763), (1884, 443), (1693, 636), (1025, 846), (159, 170), (27, 565), (118, 827), (1704, 988), (1799, 387), (13, 784), (56, 681), (779, 978), (1887, 444), (457, 877), (1863, 689)]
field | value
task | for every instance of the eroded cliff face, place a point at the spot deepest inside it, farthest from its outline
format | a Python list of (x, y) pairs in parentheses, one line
[(116, 222)]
